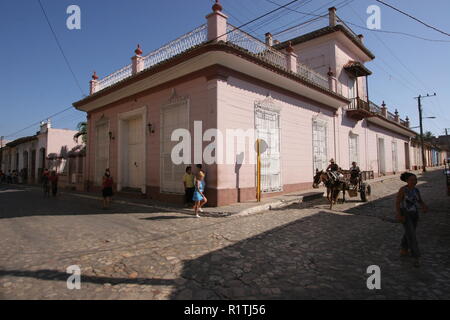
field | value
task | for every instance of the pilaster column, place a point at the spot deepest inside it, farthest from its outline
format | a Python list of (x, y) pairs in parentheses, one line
[(217, 24), (137, 61), (93, 84), (291, 59)]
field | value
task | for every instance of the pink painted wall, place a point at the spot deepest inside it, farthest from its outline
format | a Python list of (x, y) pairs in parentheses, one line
[(318, 54), (388, 136), (60, 139), (202, 108), (343, 54), (236, 103), (326, 52)]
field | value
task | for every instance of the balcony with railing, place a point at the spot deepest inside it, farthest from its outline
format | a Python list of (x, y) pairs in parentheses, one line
[(277, 58), (384, 113), (358, 109)]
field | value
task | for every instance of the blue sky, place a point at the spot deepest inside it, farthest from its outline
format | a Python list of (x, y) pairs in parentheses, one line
[(36, 82)]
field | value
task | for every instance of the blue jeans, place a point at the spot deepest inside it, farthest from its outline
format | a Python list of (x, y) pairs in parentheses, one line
[(409, 240)]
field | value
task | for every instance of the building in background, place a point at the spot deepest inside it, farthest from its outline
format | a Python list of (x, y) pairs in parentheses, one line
[(49, 148), (307, 98)]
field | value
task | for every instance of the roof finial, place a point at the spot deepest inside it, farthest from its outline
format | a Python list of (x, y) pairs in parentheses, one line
[(290, 49), (138, 50), (94, 76), (383, 104), (330, 72), (217, 6)]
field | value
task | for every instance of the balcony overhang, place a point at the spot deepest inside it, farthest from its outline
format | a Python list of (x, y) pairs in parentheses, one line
[(358, 114), (358, 109), (356, 69), (195, 63)]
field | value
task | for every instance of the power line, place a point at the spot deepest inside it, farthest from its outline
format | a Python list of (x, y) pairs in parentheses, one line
[(61, 49), (234, 28), (278, 16), (319, 16), (277, 30), (419, 80), (38, 122), (414, 18), (260, 17), (339, 5), (397, 32), (68, 65), (356, 25)]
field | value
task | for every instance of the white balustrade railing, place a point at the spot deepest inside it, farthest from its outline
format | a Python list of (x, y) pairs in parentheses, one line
[(312, 76), (267, 53), (198, 36), (185, 42), (114, 77), (255, 46)]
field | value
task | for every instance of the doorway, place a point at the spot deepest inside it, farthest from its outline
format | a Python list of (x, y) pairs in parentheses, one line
[(381, 157), (407, 162), (135, 162), (132, 166)]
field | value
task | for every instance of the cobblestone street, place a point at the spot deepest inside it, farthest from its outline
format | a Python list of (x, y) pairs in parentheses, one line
[(301, 252)]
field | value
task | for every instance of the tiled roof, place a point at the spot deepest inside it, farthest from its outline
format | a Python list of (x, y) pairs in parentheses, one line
[(356, 65), (20, 141)]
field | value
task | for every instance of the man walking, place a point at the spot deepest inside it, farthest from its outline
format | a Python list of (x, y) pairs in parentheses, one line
[(188, 183)]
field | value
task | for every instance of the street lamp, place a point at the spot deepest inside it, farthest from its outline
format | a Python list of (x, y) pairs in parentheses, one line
[(419, 102), (423, 118)]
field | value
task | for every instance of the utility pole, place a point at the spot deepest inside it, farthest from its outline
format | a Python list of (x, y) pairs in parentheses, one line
[(419, 100), (448, 144), (1, 152)]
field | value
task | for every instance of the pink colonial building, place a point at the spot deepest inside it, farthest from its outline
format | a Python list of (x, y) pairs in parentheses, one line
[(307, 98)]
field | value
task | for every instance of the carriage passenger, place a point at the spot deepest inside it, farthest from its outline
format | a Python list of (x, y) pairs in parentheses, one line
[(333, 169)]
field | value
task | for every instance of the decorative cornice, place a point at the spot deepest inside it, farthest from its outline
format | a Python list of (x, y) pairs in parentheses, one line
[(268, 104)]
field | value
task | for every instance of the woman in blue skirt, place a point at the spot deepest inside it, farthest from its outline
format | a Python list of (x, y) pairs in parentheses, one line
[(199, 197)]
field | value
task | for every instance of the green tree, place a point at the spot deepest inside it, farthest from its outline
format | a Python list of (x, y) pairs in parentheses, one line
[(82, 132), (427, 136)]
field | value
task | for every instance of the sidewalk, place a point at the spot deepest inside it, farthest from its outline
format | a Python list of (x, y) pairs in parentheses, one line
[(237, 209)]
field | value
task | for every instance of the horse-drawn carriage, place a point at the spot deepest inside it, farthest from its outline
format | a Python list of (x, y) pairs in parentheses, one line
[(356, 184), (353, 182)]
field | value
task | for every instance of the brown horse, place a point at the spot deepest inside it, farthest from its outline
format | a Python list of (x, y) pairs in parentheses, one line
[(334, 187)]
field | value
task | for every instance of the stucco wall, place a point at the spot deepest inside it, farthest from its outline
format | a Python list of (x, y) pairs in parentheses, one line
[(236, 110), (343, 55), (201, 108)]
